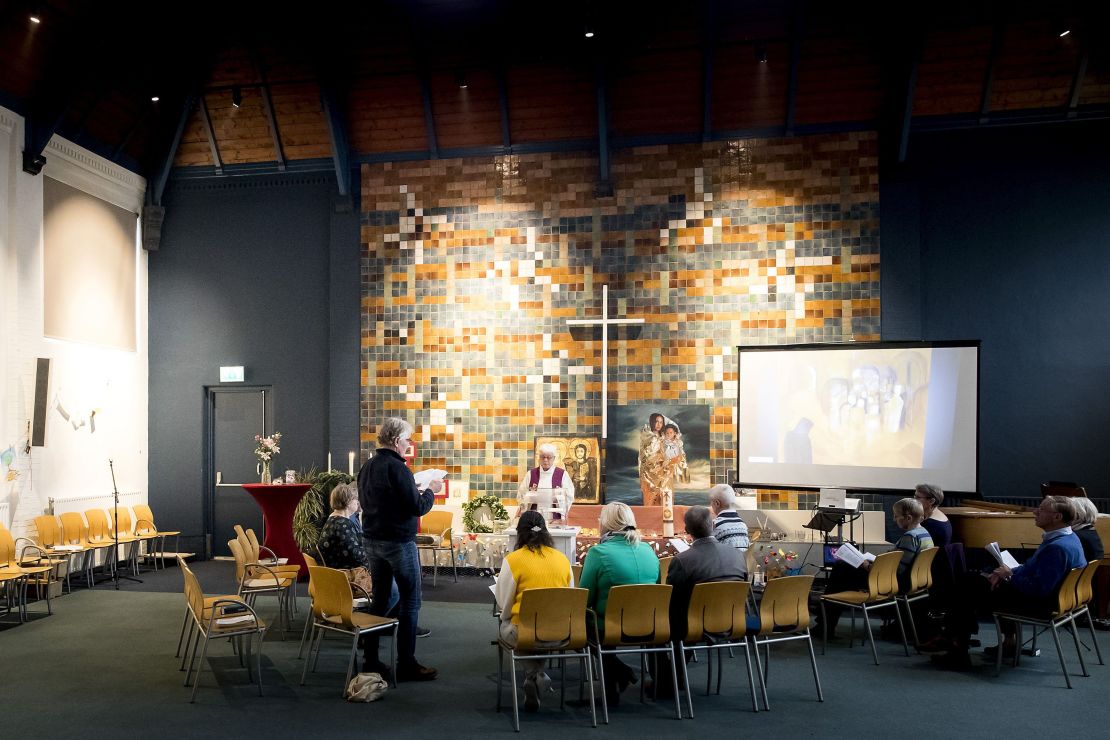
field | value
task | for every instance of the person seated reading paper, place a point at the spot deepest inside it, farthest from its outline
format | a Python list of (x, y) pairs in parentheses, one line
[(547, 489)]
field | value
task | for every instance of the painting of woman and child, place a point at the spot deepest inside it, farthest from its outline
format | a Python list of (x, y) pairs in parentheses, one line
[(657, 455)]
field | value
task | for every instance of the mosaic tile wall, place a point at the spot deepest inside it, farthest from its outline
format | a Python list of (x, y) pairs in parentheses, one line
[(472, 267)]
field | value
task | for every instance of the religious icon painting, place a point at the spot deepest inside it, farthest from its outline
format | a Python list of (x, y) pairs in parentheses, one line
[(581, 458), (657, 454)]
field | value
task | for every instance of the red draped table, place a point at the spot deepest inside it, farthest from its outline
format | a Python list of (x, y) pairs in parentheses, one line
[(278, 502)]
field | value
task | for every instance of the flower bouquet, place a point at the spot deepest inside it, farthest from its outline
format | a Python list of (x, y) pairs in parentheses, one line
[(265, 449), (775, 562)]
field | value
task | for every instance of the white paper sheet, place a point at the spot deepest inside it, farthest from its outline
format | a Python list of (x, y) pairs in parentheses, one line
[(425, 477)]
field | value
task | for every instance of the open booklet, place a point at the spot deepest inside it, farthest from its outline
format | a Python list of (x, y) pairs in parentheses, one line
[(1002, 556), (425, 477), (853, 557)]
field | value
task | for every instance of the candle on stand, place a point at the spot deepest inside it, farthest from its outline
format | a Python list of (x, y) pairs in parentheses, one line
[(350, 464), (329, 461)]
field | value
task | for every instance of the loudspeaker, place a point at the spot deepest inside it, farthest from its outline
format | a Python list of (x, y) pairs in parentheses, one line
[(42, 395), (152, 227)]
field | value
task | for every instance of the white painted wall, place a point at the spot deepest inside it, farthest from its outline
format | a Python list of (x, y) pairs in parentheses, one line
[(74, 462)]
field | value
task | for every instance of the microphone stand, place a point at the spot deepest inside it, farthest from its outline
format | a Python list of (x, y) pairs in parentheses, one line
[(115, 532)]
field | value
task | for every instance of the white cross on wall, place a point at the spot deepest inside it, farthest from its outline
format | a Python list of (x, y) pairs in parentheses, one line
[(604, 323)]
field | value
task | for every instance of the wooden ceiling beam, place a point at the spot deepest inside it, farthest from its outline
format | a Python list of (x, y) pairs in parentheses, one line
[(206, 119), (335, 113), (797, 30), (429, 114), (998, 34), (268, 107)]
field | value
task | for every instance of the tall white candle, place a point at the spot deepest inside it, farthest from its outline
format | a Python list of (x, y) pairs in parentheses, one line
[(351, 464), (329, 461)]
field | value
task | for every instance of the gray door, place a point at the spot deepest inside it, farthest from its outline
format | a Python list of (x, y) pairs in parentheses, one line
[(235, 415)]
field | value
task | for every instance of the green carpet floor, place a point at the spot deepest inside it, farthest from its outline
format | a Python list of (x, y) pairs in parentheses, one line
[(103, 666)]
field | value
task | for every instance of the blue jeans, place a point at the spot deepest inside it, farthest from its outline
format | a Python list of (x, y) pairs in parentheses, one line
[(395, 565)]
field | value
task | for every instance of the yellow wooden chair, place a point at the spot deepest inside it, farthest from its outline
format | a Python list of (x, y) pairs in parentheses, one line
[(921, 580), (1084, 594), (51, 540), (1062, 615), (255, 578), (144, 536), (637, 622), (219, 618), (144, 525), (784, 617), (664, 568), (333, 611), (187, 623), (100, 534), (882, 591), (32, 572), (716, 621), (553, 627), (436, 526), (76, 532)]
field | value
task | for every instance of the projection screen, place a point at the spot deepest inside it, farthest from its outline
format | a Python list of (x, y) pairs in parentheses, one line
[(882, 416)]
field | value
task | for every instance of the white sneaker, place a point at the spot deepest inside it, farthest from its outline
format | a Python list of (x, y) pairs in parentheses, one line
[(531, 696), (543, 684)]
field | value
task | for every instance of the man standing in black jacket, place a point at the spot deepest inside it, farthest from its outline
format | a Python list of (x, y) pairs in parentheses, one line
[(391, 509)]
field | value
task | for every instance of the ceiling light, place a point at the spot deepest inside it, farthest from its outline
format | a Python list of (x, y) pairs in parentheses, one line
[(236, 96), (761, 54), (1065, 32), (589, 32), (154, 98), (35, 18), (460, 77)]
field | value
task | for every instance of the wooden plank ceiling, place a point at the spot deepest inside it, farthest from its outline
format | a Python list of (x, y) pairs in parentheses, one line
[(473, 74)]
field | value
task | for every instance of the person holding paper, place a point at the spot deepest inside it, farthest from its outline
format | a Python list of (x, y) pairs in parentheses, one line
[(908, 515), (554, 481), (391, 509), (1027, 589), (533, 563)]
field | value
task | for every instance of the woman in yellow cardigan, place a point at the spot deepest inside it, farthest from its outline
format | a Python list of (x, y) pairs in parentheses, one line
[(534, 563)]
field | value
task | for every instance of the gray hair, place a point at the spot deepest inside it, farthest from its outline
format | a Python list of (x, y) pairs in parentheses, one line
[(699, 522), (392, 430), (342, 496), (1085, 511), (932, 491), (723, 494), (618, 517), (1064, 506), (549, 448)]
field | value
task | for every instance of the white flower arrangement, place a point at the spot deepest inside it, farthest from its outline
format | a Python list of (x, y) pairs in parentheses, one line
[(267, 447)]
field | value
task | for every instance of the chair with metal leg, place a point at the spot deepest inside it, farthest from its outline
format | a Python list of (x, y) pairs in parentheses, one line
[(436, 527), (1062, 614), (637, 622), (921, 580), (1084, 594), (783, 617), (552, 627), (716, 621), (882, 590), (333, 611)]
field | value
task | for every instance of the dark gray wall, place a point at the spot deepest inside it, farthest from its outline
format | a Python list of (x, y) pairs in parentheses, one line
[(243, 277), (1004, 235)]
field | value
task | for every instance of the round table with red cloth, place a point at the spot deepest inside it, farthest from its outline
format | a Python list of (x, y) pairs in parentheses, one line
[(278, 502)]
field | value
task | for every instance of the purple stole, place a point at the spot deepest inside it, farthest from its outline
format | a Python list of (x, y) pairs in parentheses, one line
[(534, 482)]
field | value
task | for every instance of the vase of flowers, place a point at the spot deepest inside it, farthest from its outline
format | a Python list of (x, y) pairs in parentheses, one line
[(265, 449)]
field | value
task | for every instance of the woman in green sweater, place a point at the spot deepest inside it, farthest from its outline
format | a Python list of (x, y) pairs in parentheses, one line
[(619, 559)]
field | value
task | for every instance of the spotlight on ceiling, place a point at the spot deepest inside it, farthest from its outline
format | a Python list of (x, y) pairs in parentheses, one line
[(1065, 32), (460, 78), (761, 54), (154, 98), (236, 96), (35, 18), (589, 31)]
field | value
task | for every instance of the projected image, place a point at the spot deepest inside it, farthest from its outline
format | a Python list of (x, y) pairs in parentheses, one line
[(869, 416), (853, 410)]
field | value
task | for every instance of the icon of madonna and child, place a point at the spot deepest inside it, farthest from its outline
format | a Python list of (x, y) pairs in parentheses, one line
[(662, 450)]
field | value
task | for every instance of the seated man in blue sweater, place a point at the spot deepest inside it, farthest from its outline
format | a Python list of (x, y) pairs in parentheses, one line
[(1027, 589)]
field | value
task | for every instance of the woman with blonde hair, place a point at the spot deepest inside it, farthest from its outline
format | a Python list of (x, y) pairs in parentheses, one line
[(619, 559)]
